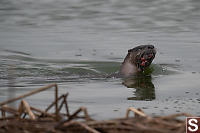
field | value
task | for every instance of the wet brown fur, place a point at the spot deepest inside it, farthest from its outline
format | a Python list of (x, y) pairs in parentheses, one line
[(131, 63)]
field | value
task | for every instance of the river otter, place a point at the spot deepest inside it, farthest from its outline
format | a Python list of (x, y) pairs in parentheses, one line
[(137, 60)]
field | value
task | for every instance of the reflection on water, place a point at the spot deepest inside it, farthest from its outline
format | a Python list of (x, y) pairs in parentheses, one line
[(144, 88)]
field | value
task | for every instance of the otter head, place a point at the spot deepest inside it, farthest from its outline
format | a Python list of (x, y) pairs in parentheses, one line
[(138, 59)]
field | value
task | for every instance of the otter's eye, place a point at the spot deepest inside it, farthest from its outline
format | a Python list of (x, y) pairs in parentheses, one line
[(151, 47)]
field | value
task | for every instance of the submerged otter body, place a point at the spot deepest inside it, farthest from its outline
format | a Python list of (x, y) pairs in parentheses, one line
[(137, 60)]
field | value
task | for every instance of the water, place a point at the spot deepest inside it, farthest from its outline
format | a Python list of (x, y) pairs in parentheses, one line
[(78, 44)]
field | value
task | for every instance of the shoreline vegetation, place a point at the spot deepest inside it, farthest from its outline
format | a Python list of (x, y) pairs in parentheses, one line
[(28, 119)]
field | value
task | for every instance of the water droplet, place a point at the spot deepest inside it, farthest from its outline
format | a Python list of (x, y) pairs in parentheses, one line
[(198, 99), (177, 60), (78, 54), (144, 107), (176, 102)]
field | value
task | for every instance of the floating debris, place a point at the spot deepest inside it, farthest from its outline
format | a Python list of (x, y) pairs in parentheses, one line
[(28, 119)]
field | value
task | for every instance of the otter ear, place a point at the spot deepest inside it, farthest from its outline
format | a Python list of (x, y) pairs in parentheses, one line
[(129, 50)]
